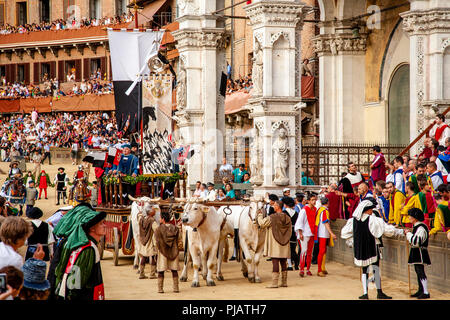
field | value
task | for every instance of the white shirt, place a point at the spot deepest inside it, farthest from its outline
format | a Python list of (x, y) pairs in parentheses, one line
[(302, 224), (9, 257), (440, 167), (436, 180), (445, 134), (211, 195), (226, 167)]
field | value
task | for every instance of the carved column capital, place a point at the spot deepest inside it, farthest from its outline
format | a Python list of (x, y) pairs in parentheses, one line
[(340, 43)]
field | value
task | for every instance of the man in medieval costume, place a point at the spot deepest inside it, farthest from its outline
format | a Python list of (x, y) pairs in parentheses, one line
[(128, 166), (277, 245), (363, 231), (440, 131), (146, 243), (75, 271), (166, 237), (61, 181), (418, 253)]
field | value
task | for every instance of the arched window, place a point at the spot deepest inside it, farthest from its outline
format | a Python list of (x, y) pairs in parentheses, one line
[(398, 106)]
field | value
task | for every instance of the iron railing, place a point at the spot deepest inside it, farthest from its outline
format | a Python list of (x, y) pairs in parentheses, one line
[(325, 163)]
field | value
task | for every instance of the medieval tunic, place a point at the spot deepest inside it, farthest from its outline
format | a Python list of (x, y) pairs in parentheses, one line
[(43, 234), (442, 218), (396, 202), (355, 179), (146, 245), (418, 238), (82, 278), (365, 230), (61, 181), (280, 229), (166, 238)]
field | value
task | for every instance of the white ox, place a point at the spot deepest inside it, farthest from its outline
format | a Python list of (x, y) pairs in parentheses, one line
[(143, 205), (251, 240), (207, 231)]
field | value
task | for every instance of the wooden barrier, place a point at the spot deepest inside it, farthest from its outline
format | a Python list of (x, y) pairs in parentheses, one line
[(394, 264), (62, 155)]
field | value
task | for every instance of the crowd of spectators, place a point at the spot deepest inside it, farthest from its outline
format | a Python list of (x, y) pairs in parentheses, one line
[(23, 135), (52, 88), (61, 24), (243, 84)]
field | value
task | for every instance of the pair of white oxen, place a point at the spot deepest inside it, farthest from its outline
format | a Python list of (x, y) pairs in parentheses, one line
[(207, 230)]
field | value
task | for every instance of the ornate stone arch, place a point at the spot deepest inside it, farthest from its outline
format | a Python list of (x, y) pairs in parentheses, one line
[(277, 35), (281, 123), (445, 44)]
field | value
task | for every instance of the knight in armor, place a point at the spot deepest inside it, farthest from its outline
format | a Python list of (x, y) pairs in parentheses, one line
[(128, 166), (366, 228), (61, 181), (418, 253)]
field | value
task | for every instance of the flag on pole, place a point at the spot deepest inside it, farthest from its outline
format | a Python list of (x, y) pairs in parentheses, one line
[(130, 52)]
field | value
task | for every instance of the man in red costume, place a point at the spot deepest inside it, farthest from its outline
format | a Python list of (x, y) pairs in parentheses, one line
[(440, 131), (305, 228)]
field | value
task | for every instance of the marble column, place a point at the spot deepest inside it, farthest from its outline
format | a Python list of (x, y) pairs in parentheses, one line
[(427, 24), (275, 104), (201, 41), (341, 85)]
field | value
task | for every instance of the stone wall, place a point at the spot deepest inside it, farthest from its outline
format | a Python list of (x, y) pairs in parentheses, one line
[(395, 256)]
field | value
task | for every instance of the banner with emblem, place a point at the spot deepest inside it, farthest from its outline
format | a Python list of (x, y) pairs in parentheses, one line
[(157, 123)]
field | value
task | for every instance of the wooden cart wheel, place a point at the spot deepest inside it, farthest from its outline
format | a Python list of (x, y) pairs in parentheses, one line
[(101, 247), (116, 247)]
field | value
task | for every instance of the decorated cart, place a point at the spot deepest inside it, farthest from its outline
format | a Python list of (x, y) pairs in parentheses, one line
[(119, 238)]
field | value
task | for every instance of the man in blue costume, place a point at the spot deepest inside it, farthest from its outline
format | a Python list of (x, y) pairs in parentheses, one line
[(128, 166)]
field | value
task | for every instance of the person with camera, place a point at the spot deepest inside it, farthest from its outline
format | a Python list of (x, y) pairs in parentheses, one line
[(14, 232)]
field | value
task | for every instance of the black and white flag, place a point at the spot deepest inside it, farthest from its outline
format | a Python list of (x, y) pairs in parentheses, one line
[(130, 52)]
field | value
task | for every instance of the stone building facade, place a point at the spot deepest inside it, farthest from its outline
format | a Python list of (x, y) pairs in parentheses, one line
[(383, 68), (27, 57)]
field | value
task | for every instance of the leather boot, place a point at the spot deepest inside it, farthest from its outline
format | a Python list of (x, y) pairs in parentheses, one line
[(175, 284), (141, 272), (160, 284), (275, 277), (153, 271), (284, 279)]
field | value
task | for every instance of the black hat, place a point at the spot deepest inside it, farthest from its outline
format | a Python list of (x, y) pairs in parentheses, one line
[(416, 213), (34, 213), (61, 168), (210, 184), (368, 207), (99, 217), (288, 201), (273, 197)]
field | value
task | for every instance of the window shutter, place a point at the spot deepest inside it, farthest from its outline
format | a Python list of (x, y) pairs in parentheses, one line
[(103, 66), (61, 75), (86, 68), (36, 73), (27, 73), (78, 70), (13, 73), (53, 69)]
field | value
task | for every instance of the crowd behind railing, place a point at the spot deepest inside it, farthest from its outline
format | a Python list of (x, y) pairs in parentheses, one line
[(30, 136), (61, 24), (52, 88)]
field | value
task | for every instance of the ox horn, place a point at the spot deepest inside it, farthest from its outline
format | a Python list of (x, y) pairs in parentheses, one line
[(180, 199), (155, 200), (132, 199)]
